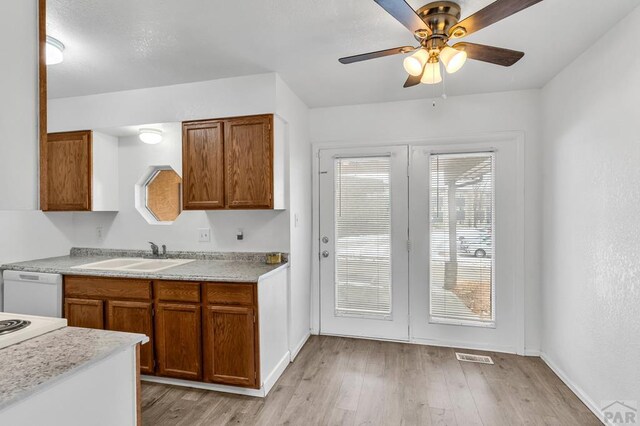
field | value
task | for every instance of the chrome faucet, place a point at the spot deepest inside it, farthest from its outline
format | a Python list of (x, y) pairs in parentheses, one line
[(155, 250)]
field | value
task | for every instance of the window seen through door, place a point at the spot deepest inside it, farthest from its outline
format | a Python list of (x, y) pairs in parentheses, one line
[(462, 252)]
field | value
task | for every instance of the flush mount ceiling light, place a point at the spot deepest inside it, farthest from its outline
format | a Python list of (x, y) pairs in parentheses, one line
[(150, 136), (54, 52), (433, 25)]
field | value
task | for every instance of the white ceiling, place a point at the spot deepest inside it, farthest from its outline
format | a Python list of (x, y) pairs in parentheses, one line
[(122, 44)]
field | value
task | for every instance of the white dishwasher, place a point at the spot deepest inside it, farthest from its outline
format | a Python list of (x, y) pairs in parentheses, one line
[(32, 293)]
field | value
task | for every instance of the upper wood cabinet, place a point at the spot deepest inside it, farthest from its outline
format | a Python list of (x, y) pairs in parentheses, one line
[(68, 171), (70, 177), (203, 165), (248, 161), (233, 163)]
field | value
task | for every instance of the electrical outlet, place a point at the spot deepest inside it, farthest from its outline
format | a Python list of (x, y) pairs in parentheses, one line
[(204, 235), (99, 234)]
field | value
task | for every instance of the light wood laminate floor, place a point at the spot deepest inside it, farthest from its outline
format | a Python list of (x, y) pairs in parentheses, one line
[(340, 381)]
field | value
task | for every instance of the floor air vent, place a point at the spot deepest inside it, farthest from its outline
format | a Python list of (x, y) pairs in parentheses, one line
[(482, 359)]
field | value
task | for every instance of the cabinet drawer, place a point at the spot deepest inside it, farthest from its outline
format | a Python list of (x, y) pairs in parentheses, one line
[(120, 288), (230, 294), (177, 291)]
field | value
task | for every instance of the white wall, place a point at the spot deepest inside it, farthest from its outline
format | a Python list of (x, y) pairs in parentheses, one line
[(456, 117), (289, 105), (23, 234), (264, 230), (19, 106), (591, 283)]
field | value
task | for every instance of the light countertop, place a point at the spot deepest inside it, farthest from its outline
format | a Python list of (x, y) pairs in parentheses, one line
[(212, 267), (35, 364)]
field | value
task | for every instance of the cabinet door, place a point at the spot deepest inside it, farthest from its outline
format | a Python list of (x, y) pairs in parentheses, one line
[(133, 317), (203, 165), (85, 313), (230, 346), (178, 340), (249, 162), (67, 172)]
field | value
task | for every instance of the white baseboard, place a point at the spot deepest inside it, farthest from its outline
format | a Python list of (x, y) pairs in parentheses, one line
[(464, 345), (532, 352), (298, 347), (267, 385), (580, 393), (275, 374), (207, 386)]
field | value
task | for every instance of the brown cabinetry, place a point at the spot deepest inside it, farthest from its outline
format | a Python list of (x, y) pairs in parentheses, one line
[(248, 160), (203, 165), (230, 334), (178, 329), (79, 172), (229, 163), (66, 172), (85, 313), (133, 317), (197, 331)]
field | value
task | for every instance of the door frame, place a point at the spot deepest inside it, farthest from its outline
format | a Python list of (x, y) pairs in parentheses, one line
[(460, 143)]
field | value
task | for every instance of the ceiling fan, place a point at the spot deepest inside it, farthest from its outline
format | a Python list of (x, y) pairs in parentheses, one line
[(433, 26)]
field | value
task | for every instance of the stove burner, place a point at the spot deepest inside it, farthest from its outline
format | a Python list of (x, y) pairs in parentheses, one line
[(11, 325)]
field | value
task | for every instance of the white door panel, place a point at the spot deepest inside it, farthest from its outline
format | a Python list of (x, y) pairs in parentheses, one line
[(363, 242)]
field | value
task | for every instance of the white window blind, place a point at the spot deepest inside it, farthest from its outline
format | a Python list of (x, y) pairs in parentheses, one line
[(462, 238), (363, 236)]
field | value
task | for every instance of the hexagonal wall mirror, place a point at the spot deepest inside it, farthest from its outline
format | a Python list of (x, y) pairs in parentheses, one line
[(159, 195)]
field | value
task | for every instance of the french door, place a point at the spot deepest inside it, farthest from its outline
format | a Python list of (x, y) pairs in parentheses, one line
[(363, 242), (423, 243)]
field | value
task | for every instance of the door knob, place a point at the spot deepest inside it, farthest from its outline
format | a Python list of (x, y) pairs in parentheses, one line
[(325, 253)]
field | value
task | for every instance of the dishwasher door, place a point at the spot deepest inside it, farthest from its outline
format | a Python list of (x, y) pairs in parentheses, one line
[(33, 293)]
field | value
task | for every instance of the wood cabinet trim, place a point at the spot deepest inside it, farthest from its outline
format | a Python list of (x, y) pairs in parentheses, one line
[(229, 294), (107, 288), (177, 291)]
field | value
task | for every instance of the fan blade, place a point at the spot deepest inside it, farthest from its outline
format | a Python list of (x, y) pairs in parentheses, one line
[(405, 14), (374, 55), (414, 80), (493, 55), (491, 14)]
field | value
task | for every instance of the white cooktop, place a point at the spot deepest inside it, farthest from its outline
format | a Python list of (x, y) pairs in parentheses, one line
[(38, 326)]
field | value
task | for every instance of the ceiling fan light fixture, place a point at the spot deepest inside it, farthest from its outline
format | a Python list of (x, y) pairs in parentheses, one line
[(431, 74), (452, 59), (415, 63), (54, 51)]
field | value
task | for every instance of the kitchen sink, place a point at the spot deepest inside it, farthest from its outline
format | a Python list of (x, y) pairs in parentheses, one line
[(134, 264)]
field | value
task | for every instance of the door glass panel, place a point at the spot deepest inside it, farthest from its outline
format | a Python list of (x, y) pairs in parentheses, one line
[(462, 238), (363, 236)]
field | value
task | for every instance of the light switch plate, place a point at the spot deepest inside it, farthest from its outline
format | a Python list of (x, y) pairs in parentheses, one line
[(204, 235)]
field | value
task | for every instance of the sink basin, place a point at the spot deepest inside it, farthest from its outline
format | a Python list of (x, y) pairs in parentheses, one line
[(134, 264)]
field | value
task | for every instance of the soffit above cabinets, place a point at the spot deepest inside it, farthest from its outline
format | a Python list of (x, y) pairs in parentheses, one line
[(121, 45)]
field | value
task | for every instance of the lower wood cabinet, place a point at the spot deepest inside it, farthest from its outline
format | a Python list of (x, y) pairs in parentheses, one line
[(198, 331), (85, 313), (133, 317), (230, 352), (178, 340)]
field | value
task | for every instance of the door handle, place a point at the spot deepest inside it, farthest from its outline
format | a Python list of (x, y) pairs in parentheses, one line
[(325, 253)]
